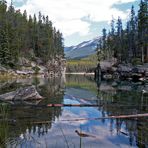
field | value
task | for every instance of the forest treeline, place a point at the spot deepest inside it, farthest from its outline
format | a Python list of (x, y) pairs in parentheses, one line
[(27, 36), (86, 64), (128, 44)]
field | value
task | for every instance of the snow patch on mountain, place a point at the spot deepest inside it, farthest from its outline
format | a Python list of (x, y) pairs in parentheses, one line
[(83, 49)]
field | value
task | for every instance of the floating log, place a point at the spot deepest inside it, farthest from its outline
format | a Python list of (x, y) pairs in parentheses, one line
[(79, 105), (91, 105), (73, 105), (111, 117), (100, 118)]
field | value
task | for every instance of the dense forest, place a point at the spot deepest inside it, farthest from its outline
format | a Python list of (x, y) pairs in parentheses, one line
[(128, 44), (27, 36)]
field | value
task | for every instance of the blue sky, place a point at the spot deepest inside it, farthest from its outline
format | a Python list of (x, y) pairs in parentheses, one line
[(79, 20)]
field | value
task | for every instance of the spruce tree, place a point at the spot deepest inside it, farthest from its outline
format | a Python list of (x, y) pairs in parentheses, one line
[(142, 29)]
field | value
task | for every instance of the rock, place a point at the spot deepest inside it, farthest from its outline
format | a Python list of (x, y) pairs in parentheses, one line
[(114, 84), (57, 66), (124, 68), (42, 70), (24, 62), (107, 76), (108, 64), (2, 69), (22, 94), (125, 88), (8, 96)]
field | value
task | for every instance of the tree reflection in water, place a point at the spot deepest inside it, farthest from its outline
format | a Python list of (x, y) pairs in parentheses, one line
[(121, 100), (34, 126)]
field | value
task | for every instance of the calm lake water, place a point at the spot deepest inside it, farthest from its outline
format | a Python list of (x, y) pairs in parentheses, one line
[(33, 125)]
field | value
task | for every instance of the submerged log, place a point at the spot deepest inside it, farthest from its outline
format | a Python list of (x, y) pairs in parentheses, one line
[(22, 94)]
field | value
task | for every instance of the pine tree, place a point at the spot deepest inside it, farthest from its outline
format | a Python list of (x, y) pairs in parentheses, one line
[(20, 36), (104, 43), (142, 29), (5, 56), (133, 32), (119, 37)]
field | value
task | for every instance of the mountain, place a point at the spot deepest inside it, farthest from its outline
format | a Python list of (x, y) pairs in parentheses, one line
[(81, 50)]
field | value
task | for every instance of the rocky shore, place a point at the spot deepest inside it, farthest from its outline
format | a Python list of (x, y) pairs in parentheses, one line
[(26, 68), (110, 70)]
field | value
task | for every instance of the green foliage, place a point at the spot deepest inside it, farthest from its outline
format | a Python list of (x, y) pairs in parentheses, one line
[(130, 43), (20, 36), (35, 81), (83, 65), (36, 69)]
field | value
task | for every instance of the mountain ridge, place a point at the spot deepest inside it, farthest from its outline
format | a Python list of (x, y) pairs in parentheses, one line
[(81, 50)]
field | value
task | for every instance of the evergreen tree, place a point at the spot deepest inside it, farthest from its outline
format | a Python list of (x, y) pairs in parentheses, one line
[(133, 32), (104, 43), (20, 36), (129, 44), (142, 29), (119, 39), (5, 56)]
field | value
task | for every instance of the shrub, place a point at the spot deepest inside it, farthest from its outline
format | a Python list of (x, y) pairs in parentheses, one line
[(36, 69)]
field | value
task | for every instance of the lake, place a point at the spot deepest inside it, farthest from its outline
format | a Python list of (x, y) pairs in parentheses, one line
[(34, 125)]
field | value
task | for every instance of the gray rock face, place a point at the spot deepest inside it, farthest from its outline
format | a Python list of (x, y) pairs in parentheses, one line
[(2, 69), (22, 94), (8, 96)]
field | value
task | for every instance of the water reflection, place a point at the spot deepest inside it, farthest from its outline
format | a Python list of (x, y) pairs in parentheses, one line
[(41, 126)]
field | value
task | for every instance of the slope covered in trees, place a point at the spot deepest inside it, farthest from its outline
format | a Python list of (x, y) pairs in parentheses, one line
[(23, 36), (128, 45)]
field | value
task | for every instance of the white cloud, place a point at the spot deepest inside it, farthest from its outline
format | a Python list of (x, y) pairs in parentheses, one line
[(67, 14)]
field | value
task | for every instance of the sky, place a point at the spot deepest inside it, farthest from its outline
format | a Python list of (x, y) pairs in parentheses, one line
[(79, 20)]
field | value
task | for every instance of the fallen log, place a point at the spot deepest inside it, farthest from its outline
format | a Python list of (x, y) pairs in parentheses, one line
[(78, 105), (91, 105), (111, 117), (100, 118), (73, 105)]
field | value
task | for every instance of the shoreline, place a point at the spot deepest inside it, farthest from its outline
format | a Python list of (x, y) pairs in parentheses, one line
[(79, 73), (8, 75)]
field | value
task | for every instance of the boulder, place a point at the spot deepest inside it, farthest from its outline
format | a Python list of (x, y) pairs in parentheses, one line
[(24, 72), (108, 64), (2, 69), (8, 96), (124, 68), (22, 94), (24, 62)]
